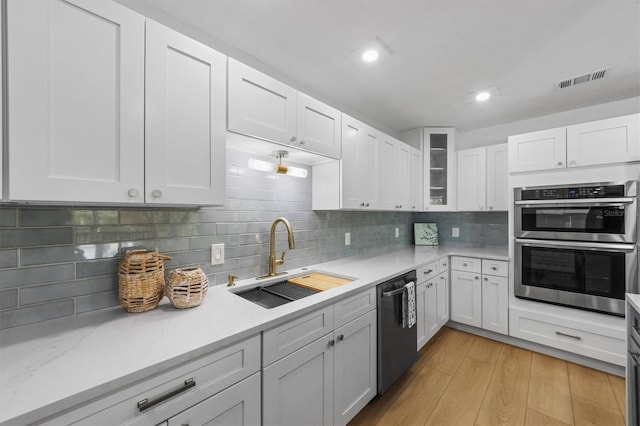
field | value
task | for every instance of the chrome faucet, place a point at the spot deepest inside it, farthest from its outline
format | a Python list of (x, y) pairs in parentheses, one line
[(273, 262)]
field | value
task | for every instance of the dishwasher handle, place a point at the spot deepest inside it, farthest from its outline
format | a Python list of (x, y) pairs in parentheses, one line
[(394, 292)]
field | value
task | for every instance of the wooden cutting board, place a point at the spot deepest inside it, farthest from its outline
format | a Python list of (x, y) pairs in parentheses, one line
[(319, 281)]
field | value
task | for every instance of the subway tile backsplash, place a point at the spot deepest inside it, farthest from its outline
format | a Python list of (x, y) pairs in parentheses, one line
[(62, 261)]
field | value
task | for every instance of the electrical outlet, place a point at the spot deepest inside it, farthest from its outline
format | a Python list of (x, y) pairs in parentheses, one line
[(217, 254), (397, 232), (455, 232), (347, 238)]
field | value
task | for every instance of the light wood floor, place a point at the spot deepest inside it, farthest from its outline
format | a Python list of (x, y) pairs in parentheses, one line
[(462, 379)]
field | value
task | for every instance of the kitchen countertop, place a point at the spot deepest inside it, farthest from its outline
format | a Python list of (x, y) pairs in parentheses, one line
[(634, 300), (54, 366)]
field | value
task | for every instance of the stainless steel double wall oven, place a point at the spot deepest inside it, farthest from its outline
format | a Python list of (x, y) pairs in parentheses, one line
[(576, 244)]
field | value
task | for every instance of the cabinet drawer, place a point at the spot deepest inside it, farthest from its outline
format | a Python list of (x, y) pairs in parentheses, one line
[(495, 267), (467, 264), (444, 264), (352, 307), (287, 338), (428, 271), (603, 343), (211, 374)]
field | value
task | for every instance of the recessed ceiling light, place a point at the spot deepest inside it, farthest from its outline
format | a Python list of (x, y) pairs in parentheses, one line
[(370, 55), (483, 96)]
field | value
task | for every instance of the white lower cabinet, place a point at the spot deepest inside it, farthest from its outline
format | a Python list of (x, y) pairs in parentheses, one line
[(237, 405), (200, 389), (589, 338), (432, 300), (329, 380), (480, 293)]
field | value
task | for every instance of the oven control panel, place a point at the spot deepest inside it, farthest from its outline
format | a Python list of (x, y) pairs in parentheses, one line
[(573, 192)]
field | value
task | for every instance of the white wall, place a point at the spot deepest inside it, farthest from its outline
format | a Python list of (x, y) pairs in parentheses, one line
[(499, 134)]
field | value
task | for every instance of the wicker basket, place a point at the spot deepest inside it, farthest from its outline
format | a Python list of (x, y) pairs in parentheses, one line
[(141, 280), (186, 287)]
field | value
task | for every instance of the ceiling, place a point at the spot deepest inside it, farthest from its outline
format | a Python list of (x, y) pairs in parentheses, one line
[(440, 52)]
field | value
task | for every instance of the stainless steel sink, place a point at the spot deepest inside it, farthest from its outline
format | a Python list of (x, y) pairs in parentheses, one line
[(276, 294)]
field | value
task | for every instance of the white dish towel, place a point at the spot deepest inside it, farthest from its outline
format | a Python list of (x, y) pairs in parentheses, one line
[(409, 305)]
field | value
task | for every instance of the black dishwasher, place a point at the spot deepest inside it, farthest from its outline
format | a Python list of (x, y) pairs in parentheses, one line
[(397, 344)]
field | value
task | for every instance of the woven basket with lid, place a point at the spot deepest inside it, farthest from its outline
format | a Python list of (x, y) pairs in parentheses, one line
[(141, 280), (186, 287)]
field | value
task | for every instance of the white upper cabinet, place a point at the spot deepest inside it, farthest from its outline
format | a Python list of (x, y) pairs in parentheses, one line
[(75, 101), (497, 177), (395, 174), (543, 150), (416, 180), (472, 186), (260, 106), (482, 178), (318, 127), (439, 169), (352, 182), (265, 108), (184, 119), (615, 140)]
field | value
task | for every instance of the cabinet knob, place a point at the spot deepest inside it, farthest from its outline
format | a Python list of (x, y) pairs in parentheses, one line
[(413, 207), (367, 205), (156, 193), (464, 264), (400, 206), (560, 163), (362, 204), (340, 337), (490, 207), (301, 142), (477, 277), (486, 279), (133, 193), (293, 138), (494, 268), (442, 277), (332, 342)]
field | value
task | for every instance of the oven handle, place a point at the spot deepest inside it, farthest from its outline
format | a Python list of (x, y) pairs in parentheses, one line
[(590, 201), (577, 244), (394, 292)]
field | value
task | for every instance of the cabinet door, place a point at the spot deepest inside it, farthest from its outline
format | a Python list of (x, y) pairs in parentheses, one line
[(298, 389), (416, 180), (421, 312), (260, 106), (75, 101), (495, 304), (438, 148), (472, 186), (318, 127), (185, 116), (614, 140), (431, 308), (544, 150), (355, 367), (238, 405), (443, 299), (402, 166), (359, 165), (466, 298), (497, 177), (388, 187)]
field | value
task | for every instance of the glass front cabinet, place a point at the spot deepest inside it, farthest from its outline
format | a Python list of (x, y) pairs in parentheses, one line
[(438, 147)]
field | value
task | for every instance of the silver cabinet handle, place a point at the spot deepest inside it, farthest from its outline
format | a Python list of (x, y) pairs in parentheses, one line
[(145, 404), (156, 193), (133, 192), (559, 333), (428, 272)]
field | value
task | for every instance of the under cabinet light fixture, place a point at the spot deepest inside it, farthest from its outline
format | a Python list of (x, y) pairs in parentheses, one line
[(266, 166), (370, 55)]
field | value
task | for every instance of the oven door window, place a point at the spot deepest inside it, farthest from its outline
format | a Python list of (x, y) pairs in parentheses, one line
[(585, 219), (598, 273)]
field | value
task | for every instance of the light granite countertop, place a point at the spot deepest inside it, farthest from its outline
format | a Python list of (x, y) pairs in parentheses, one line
[(54, 366)]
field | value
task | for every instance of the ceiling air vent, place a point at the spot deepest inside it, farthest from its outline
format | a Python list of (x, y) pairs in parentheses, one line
[(580, 79)]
